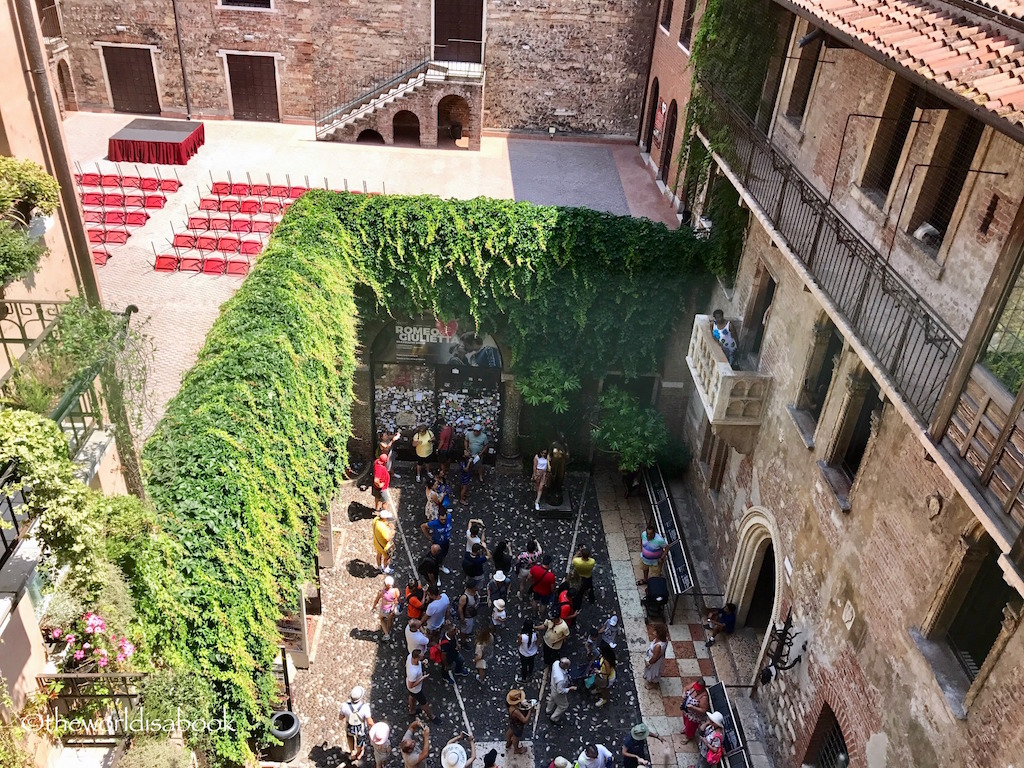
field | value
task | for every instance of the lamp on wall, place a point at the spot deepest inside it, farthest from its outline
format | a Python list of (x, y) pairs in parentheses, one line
[(248, 38), (779, 647), (120, 28), (551, 131)]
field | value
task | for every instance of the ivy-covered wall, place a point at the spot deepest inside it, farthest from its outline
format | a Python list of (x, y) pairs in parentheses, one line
[(251, 449)]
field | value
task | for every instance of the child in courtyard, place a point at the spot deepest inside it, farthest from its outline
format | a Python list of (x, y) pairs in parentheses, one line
[(484, 651), (498, 614)]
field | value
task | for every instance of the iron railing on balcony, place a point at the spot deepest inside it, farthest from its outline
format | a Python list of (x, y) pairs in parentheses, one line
[(24, 325), (906, 336), (15, 514), (91, 709), (49, 20), (333, 104)]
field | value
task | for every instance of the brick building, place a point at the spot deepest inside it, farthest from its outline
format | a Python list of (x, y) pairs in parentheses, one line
[(861, 464), (416, 70)]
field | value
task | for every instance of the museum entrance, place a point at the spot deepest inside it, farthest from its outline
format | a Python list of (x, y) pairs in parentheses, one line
[(424, 371)]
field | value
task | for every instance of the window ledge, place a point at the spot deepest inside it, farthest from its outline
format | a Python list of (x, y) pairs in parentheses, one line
[(840, 484), (948, 675), (663, 28), (805, 424), (793, 126), (683, 48)]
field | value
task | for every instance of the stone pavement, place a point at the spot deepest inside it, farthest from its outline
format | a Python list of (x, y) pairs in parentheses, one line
[(351, 650), (181, 307)]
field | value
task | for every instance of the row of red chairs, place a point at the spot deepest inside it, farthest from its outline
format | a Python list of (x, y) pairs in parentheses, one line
[(243, 205), (205, 221), (240, 189), (121, 200), (109, 235), (133, 218), (213, 242), (212, 264), (113, 181)]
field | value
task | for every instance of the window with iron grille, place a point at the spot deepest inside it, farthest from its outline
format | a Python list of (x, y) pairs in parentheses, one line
[(890, 137), (265, 4), (686, 32), (803, 79), (944, 179), (828, 745), (666, 14)]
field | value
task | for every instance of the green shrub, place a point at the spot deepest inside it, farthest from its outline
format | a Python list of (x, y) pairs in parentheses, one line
[(19, 254), (152, 752), (634, 433)]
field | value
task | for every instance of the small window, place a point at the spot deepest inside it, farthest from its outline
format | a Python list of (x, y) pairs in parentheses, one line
[(849, 442), (265, 4), (666, 14), (828, 744), (944, 180), (807, 64), (850, 457), (686, 33), (890, 136)]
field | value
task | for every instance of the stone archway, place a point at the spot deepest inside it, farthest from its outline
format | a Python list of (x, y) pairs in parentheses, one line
[(454, 116), (66, 86), (406, 128), (369, 136)]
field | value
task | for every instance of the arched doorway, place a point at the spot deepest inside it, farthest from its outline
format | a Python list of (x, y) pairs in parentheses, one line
[(666, 145), (67, 86), (453, 119), (652, 110), (369, 136), (406, 128)]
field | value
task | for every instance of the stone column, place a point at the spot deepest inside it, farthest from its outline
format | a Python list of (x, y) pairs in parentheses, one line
[(509, 458)]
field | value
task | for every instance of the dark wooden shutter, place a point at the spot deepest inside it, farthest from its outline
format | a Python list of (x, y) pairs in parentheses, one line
[(458, 30), (253, 87), (132, 80)]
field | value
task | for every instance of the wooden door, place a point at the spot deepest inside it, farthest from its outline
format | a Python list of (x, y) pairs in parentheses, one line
[(132, 80), (459, 30), (253, 87)]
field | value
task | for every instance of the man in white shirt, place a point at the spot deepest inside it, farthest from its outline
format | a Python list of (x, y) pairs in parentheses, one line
[(356, 714), (437, 611), (414, 677), (414, 636), (594, 756), (558, 699)]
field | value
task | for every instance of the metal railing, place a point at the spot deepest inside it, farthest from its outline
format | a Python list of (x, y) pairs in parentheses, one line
[(90, 709), (50, 21), (906, 336), (24, 325), (330, 108), (15, 514)]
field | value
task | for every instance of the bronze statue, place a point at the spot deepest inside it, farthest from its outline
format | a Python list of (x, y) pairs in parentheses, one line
[(559, 458)]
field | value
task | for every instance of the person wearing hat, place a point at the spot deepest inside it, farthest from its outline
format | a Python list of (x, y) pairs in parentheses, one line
[(384, 539), (387, 599), (380, 738), (695, 706), (423, 442), (498, 614), (497, 587), (560, 762), (356, 714), (454, 755), (381, 482), (491, 759), (519, 711), (410, 757), (476, 443), (634, 744), (594, 756), (710, 739), (558, 699)]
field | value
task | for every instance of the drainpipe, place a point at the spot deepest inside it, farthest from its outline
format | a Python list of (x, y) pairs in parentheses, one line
[(181, 58), (80, 252)]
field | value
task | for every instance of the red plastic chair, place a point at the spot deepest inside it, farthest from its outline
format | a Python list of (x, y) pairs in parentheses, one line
[(238, 267), (227, 244), (206, 242), (116, 236), (169, 185), (92, 198), (239, 189), (220, 223), (297, 192), (221, 188), (241, 224), (115, 216), (260, 190), (131, 182), (97, 235), (214, 265), (250, 205), (191, 262), (279, 190), (136, 218), (93, 215), (229, 205), (271, 206), (112, 180), (184, 240), (250, 247), (149, 183), (209, 204), (201, 223), (155, 201), (113, 199), (134, 201), (166, 263), (88, 179), (99, 256), (263, 226)]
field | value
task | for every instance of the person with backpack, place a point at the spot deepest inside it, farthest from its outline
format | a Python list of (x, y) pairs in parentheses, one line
[(439, 532), (711, 740), (468, 607), (448, 648), (356, 714)]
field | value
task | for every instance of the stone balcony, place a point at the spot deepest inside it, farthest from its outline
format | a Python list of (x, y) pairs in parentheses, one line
[(734, 400)]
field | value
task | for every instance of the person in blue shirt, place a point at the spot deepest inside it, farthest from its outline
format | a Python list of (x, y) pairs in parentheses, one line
[(720, 620), (439, 532)]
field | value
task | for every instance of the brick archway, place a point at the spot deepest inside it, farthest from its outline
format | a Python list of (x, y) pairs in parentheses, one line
[(454, 116)]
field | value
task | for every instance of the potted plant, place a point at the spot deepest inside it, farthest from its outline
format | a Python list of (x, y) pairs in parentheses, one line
[(27, 192)]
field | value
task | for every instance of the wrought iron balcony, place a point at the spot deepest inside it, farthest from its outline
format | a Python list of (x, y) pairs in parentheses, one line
[(907, 338), (731, 398)]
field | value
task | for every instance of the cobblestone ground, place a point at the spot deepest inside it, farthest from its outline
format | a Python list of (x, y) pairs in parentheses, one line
[(351, 652)]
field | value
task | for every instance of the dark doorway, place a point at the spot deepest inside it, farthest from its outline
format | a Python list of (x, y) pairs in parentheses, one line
[(652, 110), (132, 80), (369, 136), (762, 599), (253, 88), (852, 457), (406, 128), (67, 87), (670, 138), (453, 120), (458, 30), (757, 318)]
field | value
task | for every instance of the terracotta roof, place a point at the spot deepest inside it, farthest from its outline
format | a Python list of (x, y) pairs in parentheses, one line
[(970, 56)]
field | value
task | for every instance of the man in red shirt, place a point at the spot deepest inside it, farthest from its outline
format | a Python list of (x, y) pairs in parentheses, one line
[(542, 585), (444, 445), (565, 603), (381, 482)]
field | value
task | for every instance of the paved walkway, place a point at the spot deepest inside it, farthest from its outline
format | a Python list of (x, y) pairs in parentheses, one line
[(181, 307)]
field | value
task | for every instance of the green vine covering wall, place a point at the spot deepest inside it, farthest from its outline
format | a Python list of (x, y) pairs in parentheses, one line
[(252, 448)]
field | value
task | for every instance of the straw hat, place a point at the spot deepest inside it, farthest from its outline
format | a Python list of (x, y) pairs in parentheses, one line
[(499, 604), (453, 756), (357, 694), (640, 732), (717, 718), (499, 576), (379, 733), (515, 697), (561, 762)]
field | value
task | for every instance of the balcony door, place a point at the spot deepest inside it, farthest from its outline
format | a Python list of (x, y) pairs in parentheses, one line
[(459, 30)]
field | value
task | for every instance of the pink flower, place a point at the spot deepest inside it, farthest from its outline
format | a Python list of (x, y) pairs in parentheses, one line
[(127, 648), (87, 645), (121, 658), (94, 624), (79, 655), (101, 652), (103, 661), (69, 639), (55, 634)]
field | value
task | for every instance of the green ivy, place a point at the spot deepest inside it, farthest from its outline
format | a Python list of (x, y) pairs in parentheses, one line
[(637, 435)]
